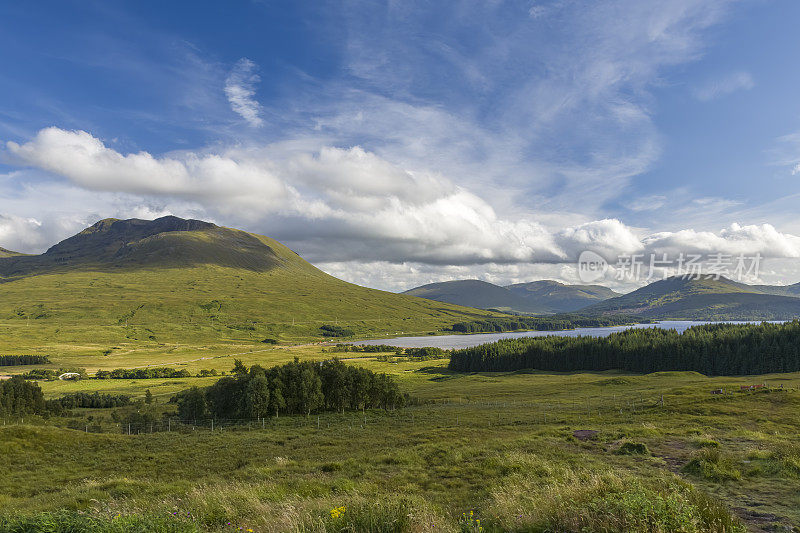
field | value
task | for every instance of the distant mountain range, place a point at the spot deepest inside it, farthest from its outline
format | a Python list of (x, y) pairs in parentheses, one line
[(705, 298), (538, 297)]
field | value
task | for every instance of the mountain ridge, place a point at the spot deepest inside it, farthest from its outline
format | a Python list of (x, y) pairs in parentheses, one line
[(167, 241), (702, 298), (537, 297)]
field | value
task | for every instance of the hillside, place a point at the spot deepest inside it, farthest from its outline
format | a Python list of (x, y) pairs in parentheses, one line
[(561, 298), (787, 290), (8, 253), (703, 299), (172, 280), (538, 297), (474, 293)]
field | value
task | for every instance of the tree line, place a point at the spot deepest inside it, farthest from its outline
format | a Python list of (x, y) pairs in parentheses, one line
[(713, 349), (142, 373), (93, 400), (419, 354), (294, 388), (19, 360), (20, 397), (551, 323)]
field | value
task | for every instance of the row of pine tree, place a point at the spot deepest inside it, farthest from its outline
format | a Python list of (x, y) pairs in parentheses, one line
[(713, 349)]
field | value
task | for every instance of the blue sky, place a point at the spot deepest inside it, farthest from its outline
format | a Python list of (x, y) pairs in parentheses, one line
[(398, 143)]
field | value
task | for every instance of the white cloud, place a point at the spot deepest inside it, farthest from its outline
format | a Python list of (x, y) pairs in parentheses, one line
[(87, 162), (337, 205), (735, 239), (240, 88), (736, 81), (18, 233)]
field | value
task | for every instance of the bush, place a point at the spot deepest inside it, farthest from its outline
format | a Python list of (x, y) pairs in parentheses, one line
[(711, 464), (336, 331), (633, 448)]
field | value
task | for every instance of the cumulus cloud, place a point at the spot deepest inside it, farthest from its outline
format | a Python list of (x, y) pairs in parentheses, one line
[(761, 239), (736, 81), (337, 205), (88, 162), (240, 88), (18, 233)]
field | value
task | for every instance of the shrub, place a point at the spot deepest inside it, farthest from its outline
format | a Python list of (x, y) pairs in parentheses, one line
[(336, 331), (711, 464), (633, 448)]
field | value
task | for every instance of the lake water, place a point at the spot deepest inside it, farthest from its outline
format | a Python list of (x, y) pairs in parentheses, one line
[(449, 342)]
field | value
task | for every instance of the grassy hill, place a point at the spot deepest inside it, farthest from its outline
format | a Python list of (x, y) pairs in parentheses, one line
[(190, 282), (8, 253), (537, 297), (788, 290), (703, 298)]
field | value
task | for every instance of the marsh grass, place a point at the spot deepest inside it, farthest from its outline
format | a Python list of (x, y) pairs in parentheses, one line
[(499, 445), (581, 500)]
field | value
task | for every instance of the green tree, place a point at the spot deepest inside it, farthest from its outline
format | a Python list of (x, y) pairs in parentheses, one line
[(310, 393), (238, 367), (192, 405), (256, 397)]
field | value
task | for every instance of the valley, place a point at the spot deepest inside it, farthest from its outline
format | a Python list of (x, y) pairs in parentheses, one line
[(421, 448)]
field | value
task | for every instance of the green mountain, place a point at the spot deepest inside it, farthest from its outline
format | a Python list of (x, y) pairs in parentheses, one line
[(172, 280), (539, 297), (113, 245), (704, 298), (474, 293), (561, 298), (8, 253), (778, 290)]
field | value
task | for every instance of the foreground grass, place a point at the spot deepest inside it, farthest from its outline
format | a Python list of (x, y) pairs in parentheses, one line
[(498, 448)]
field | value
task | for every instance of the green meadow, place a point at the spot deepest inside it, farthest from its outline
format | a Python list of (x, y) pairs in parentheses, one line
[(481, 452)]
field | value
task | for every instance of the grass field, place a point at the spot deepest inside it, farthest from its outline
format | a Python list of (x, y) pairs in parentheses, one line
[(499, 448)]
